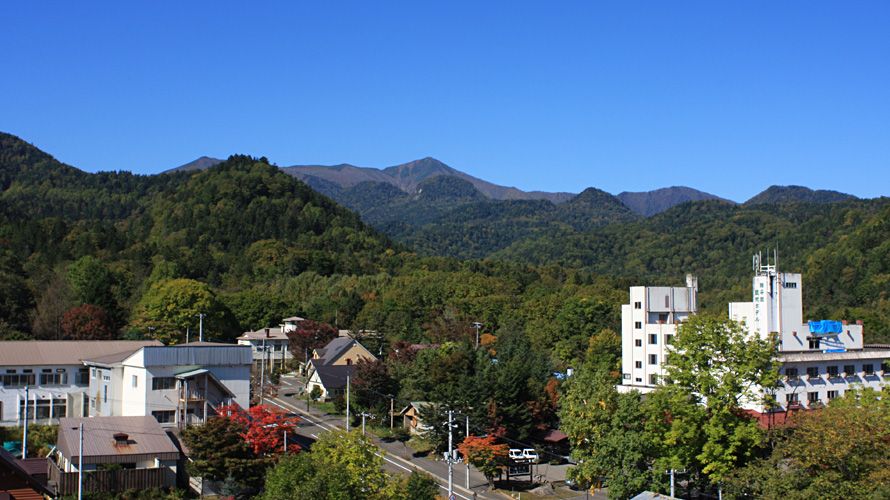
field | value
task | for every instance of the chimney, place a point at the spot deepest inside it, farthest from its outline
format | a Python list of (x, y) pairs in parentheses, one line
[(858, 321), (267, 332), (692, 281)]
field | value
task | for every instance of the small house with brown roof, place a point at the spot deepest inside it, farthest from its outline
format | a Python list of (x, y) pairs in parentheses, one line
[(119, 453)]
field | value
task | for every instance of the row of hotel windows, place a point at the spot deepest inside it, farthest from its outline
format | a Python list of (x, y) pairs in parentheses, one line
[(48, 376), (812, 397), (868, 369), (653, 340)]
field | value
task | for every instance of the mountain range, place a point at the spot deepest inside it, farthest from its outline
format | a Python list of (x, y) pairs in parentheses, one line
[(365, 189)]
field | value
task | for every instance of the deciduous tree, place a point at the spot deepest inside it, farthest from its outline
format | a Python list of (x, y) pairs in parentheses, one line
[(309, 335), (88, 322), (485, 454), (264, 427)]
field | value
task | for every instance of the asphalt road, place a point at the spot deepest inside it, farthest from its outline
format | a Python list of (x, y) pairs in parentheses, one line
[(313, 423)]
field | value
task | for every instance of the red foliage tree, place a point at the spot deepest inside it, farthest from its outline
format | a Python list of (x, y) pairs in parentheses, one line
[(402, 353), (265, 427), (484, 454), (88, 322), (309, 335)]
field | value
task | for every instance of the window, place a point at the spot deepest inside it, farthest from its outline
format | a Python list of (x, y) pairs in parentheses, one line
[(653, 339), (638, 342), (163, 383), (653, 379), (19, 380), (53, 379), (814, 343), (832, 371), (638, 364), (812, 371), (135, 381), (627, 376), (638, 325), (94, 373), (669, 339), (638, 379), (663, 318), (790, 284), (82, 377), (832, 395), (885, 367), (92, 403), (105, 394), (791, 398), (164, 416), (812, 397), (41, 409), (791, 373), (850, 370), (653, 359), (638, 305), (868, 369)]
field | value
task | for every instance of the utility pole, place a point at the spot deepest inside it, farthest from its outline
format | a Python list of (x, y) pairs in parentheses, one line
[(450, 455), (25, 436), (468, 462), (477, 325), (80, 467), (263, 375), (200, 326), (364, 414), (391, 411), (285, 441), (672, 472), (347, 403), (186, 335)]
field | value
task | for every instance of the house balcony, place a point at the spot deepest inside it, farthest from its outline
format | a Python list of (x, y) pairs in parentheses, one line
[(193, 395)]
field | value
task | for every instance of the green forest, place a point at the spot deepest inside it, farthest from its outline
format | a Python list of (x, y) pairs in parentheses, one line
[(248, 244)]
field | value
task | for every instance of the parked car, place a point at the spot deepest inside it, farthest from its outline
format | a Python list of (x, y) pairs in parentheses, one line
[(529, 454), (515, 454)]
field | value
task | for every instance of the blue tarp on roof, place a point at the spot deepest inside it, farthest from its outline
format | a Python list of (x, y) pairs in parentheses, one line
[(826, 326)]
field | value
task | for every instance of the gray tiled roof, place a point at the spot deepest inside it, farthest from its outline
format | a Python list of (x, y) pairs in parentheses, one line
[(334, 376)]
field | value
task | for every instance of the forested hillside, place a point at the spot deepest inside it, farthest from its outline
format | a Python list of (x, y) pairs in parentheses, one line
[(255, 245)]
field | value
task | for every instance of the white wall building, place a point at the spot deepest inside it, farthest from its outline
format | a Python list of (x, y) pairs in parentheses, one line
[(272, 342), (820, 360), (176, 384), (52, 374), (648, 325)]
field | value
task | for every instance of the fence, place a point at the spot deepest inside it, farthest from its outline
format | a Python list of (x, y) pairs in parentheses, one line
[(108, 480)]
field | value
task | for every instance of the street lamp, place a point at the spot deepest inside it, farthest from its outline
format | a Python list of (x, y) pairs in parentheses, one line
[(478, 325)]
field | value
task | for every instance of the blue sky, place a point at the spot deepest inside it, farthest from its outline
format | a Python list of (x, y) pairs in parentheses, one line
[(725, 97)]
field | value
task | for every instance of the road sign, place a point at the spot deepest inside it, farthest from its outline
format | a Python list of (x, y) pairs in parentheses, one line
[(452, 497)]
